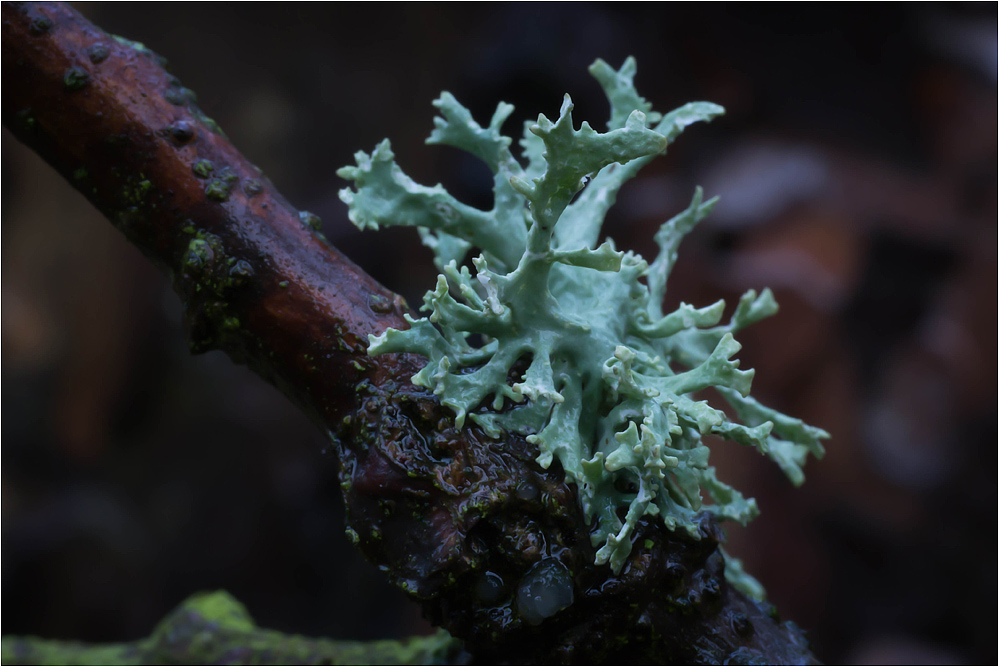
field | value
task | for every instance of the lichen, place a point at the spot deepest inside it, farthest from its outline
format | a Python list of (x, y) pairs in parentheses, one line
[(40, 25), (252, 187), (219, 188), (209, 280), (75, 78), (604, 382), (141, 49), (98, 53), (203, 168), (310, 220), (175, 96)]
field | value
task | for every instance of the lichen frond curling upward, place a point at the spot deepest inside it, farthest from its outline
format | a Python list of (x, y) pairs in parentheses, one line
[(609, 379)]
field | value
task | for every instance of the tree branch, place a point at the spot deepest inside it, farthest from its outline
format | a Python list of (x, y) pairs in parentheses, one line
[(466, 524)]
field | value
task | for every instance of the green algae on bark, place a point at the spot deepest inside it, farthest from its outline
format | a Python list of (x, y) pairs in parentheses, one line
[(213, 629)]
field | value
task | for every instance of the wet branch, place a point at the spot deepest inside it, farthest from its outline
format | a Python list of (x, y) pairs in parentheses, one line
[(464, 523)]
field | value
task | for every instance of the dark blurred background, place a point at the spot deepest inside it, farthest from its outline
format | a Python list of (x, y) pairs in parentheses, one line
[(857, 169)]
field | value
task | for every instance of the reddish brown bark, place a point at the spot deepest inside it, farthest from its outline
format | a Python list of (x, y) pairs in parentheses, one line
[(457, 519), (129, 137)]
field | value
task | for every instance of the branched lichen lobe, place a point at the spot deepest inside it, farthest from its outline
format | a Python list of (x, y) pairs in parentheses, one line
[(580, 367), (609, 380)]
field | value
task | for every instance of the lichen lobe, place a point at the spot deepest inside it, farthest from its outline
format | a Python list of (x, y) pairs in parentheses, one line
[(602, 380)]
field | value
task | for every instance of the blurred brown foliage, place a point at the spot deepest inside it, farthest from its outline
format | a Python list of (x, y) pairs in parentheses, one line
[(857, 169)]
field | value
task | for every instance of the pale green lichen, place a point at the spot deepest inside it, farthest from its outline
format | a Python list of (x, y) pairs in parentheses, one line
[(607, 380)]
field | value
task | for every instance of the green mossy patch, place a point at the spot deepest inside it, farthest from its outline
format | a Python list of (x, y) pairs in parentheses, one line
[(209, 281), (203, 168), (215, 629)]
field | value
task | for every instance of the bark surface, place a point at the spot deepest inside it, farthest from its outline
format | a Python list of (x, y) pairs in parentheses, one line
[(470, 526)]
